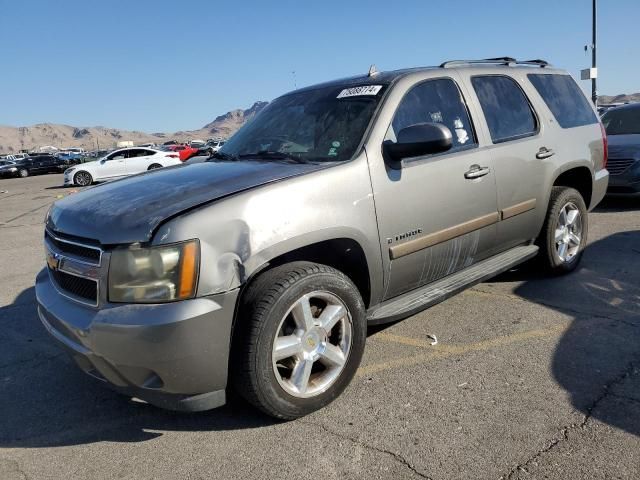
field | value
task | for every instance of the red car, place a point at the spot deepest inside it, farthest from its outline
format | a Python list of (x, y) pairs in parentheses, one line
[(184, 151)]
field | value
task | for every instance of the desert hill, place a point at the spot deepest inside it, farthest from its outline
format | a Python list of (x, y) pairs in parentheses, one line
[(14, 139)]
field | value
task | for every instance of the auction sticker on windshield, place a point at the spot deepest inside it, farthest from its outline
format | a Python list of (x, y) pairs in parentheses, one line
[(357, 91)]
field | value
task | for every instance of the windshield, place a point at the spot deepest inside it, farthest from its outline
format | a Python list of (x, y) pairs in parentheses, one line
[(326, 124), (622, 121)]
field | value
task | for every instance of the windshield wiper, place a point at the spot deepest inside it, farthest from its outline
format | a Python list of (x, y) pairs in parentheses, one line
[(271, 155), (222, 156)]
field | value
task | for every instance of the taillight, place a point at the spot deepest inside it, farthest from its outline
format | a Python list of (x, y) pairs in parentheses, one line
[(605, 146), (173, 156)]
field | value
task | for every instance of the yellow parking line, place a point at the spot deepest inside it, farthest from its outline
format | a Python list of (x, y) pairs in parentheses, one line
[(442, 351)]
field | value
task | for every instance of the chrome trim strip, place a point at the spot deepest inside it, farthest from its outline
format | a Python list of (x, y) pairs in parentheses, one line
[(441, 236), (83, 245), (518, 208)]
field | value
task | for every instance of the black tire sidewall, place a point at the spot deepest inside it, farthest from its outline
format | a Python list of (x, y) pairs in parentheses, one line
[(567, 195), (272, 396)]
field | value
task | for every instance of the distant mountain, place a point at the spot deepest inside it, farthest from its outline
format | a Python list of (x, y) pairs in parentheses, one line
[(14, 139), (622, 98)]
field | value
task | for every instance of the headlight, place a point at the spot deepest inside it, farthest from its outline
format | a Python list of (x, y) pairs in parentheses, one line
[(151, 275), (13, 169), (69, 170)]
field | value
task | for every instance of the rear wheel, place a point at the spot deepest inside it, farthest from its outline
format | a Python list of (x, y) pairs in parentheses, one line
[(300, 339), (564, 234), (23, 172), (82, 179), (153, 166)]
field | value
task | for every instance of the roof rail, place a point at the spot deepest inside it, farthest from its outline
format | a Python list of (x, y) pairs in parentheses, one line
[(495, 61)]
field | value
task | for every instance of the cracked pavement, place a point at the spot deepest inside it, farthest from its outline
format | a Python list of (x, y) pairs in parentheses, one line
[(532, 378)]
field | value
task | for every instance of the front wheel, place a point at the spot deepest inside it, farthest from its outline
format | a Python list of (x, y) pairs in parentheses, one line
[(564, 234), (82, 179), (301, 336), (23, 172)]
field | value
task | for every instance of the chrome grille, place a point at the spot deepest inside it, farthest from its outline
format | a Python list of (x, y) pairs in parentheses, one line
[(617, 166), (80, 251), (78, 286), (74, 268)]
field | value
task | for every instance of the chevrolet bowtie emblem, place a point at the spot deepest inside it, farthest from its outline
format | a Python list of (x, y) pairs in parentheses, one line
[(53, 260)]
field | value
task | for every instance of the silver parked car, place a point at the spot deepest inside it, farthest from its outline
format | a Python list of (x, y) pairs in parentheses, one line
[(354, 202)]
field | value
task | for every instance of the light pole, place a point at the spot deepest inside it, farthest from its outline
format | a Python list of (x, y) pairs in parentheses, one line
[(594, 91)]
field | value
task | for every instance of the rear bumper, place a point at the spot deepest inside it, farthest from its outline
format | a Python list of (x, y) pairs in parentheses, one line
[(172, 355), (600, 184)]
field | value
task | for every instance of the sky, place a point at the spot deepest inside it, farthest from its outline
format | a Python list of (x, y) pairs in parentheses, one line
[(156, 65)]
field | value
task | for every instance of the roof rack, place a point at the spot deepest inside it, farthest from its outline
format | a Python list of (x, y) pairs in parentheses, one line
[(509, 61)]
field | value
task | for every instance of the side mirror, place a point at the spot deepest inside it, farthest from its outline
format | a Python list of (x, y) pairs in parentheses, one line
[(419, 139)]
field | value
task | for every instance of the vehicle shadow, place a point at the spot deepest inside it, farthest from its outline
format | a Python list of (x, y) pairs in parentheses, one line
[(598, 356), (45, 400), (618, 203)]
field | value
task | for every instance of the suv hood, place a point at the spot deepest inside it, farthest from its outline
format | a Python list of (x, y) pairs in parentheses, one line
[(129, 210)]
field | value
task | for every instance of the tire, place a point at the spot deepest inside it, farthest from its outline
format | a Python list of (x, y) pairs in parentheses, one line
[(266, 313), (23, 173), (566, 224), (82, 178), (153, 166)]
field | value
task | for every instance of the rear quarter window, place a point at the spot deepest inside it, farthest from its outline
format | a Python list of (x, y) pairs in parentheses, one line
[(506, 108), (564, 98)]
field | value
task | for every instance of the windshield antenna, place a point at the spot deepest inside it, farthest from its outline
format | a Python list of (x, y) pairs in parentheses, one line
[(373, 71)]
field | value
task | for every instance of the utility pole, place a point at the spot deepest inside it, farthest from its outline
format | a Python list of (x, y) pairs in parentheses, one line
[(594, 90)]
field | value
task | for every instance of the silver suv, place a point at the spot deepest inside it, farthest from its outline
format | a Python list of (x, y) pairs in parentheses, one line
[(354, 202)]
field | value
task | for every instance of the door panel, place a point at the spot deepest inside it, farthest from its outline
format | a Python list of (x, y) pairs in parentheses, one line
[(433, 221), (520, 153), (437, 214), (137, 161), (113, 166)]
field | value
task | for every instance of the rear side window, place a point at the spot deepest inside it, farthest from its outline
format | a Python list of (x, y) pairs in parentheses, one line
[(506, 108), (564, 98), (435, 101)]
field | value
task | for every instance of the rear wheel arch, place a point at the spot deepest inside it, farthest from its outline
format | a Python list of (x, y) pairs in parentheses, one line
[(579, 178)]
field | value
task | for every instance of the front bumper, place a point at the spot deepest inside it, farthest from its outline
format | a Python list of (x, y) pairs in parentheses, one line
[(173, 355), (626, 182), (68, 178)]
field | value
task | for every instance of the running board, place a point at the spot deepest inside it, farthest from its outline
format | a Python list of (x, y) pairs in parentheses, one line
[(424, 297)]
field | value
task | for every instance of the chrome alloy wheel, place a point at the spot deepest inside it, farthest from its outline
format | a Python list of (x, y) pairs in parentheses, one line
[(312, 344), (568, 235), (82, 179)]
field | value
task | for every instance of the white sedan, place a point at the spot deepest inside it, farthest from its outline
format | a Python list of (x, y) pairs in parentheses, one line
[(121, 163)]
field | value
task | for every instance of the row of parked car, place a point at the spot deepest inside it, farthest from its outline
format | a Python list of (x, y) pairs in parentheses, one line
[(109, 165), (25, 165)]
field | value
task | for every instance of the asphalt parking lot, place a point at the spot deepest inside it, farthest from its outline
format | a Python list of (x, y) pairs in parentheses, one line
[(532, 377)]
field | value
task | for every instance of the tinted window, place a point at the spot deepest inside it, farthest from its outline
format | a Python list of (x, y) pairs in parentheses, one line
[(136, 152), (149, 152), (565, 100), (506, 108), (622, 121), (117, 155), (435, 101)]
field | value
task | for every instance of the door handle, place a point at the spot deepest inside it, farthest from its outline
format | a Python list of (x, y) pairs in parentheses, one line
[(476, 171), (544, 152)]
